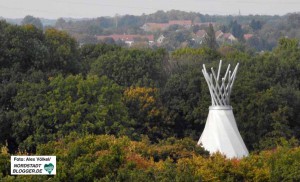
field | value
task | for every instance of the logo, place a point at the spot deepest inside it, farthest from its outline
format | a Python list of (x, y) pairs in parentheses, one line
[(33, 165), (49, 167)]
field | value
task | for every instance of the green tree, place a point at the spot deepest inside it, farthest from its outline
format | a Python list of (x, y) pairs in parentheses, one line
[(145, 108), (132, 67), (266, 94), (294, 20), (47, 112), (60, 23), (63, 51), (88, 53), (181, 96), (255, 25), (23, 48), (210, 38), (176, 39), (236, 29), (32, 21)]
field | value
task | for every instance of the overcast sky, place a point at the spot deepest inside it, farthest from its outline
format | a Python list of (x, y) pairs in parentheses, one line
[(96, 8)]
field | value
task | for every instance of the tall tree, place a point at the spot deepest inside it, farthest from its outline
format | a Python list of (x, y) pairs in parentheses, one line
[(129, 67), (210, 38), (44, 112), (60, 23), (33, 21), (63, 51), (255, 25), (236, 29), (145, 108)]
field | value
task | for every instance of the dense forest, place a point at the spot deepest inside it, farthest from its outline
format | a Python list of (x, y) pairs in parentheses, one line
[(113, 113)]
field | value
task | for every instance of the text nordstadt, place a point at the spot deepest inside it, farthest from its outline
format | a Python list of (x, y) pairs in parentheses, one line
[(33, 165)]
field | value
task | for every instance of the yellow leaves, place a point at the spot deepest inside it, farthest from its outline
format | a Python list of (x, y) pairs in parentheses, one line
[(144, 94), (255, 167), (119, 153), (51, 32), (160, 165), (137, 147), (4, 150), (143, 99), (29, 27), (102, 153)]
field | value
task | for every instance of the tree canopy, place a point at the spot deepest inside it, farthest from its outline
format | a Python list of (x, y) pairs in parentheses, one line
[(114, 113)]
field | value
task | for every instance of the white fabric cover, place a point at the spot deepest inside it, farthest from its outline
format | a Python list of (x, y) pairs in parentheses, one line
[(221, 133)]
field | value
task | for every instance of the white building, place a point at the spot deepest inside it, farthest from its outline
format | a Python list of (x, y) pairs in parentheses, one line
[(221, 133)]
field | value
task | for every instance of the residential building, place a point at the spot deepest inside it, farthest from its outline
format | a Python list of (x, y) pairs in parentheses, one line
[(160, 39), (225, 37), (229, 37), (219, 34), (152, 27), (199, 36)]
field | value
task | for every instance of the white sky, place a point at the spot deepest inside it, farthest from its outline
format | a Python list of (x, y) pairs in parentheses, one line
[(96, 8)]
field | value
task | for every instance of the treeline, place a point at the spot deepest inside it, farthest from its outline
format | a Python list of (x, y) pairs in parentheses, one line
[(265, 30), (51, 89), (262, 31), (131, 24)]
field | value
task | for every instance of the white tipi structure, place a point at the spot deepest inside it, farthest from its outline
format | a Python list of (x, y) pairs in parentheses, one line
[(221, 132)]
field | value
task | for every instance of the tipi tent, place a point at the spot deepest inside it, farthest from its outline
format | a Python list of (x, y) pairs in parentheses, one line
[(221, 133)]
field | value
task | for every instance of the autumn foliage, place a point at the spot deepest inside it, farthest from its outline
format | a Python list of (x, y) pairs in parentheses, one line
[(107, 158), (111, 113)]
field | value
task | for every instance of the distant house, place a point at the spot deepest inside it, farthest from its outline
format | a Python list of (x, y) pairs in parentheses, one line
[(199, 36), (160, 39), (129, 39), (248, 36), (219, 34), (225, 37), (229, 37), (201, 33), (152, 27)]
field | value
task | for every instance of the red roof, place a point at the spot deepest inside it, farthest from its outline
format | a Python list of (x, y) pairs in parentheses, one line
[(201, 33), (218, 34), (227, 35), (247, 36), (155, 26)]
